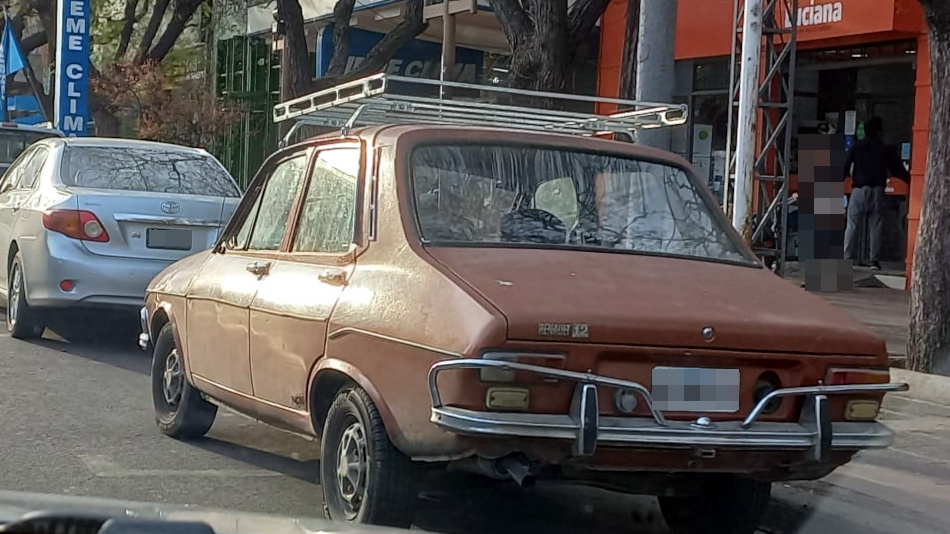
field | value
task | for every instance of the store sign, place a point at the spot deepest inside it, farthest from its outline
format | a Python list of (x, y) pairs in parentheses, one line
[(416, 59), (813, 14), (72, 67)]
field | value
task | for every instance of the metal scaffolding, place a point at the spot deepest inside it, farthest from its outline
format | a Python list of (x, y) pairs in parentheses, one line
[(758, 149)]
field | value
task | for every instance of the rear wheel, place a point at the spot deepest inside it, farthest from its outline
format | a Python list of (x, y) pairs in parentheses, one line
[(364, 478), (180, 412), (726, 505), (22, 321)]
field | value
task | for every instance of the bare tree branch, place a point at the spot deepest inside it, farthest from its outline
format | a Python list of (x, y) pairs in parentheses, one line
[(126, 36), (183, 11), (342, 12), (151, 30), (411, 25)]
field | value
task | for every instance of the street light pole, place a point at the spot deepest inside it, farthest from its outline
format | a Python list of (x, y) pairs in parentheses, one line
[(746, 126)]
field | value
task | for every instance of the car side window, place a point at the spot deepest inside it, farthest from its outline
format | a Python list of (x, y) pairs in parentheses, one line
[(276, 202), (328, 217), (239, 241), (31, 170)]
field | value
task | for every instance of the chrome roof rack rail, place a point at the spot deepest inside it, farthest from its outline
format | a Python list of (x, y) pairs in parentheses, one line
[(385, 99)]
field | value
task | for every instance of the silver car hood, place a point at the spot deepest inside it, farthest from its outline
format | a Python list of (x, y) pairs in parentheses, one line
[(15, 505)]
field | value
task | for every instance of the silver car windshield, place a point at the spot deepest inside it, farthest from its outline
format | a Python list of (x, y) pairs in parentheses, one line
[(145, 169), (530, 196)]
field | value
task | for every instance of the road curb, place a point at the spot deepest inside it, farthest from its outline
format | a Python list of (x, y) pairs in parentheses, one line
[(931, 388)]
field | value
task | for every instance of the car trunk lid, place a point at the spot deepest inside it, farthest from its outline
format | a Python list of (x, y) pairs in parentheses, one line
[(634, 299), (154, 226)]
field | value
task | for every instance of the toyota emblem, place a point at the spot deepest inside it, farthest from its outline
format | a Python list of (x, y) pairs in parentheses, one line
[(171, 207)]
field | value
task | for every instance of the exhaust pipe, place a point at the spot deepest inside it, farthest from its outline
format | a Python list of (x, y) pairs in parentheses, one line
[(512, 467)]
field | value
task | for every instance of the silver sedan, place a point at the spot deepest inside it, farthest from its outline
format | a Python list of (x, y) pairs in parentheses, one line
[(88, 222)]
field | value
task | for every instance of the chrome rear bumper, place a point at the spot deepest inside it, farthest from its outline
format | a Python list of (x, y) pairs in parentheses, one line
[(814, 433)]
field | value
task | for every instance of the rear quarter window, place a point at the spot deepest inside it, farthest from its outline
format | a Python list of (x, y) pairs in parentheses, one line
[(146, 169)]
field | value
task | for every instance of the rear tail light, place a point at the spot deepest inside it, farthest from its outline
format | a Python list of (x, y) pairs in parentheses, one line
[(840, 377), (76, 224)]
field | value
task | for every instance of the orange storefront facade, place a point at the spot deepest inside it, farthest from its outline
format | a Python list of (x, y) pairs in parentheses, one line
[(864, 56)]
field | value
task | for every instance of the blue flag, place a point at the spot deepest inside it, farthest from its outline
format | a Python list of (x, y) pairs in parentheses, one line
[(13, 60)]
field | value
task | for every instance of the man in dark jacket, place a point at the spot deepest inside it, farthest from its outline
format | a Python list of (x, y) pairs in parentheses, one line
[(868, 164)]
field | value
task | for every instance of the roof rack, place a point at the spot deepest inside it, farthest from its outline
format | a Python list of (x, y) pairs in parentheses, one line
[(385, 99)]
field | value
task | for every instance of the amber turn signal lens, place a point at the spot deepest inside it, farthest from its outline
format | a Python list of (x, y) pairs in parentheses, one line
[(507, 399), (839, 377), (862, 410)]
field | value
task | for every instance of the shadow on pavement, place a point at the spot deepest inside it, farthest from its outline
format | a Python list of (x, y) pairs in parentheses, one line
[(547, 507), (307, 470), (103, 336)]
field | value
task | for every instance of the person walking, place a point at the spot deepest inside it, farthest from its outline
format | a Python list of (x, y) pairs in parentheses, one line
[(868, 163)]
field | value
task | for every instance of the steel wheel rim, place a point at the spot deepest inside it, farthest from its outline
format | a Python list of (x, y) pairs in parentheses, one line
[(352, 466), (16, 286), (172, 379)]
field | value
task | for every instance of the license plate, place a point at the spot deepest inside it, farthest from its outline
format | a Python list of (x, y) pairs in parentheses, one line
[(694, 389), (168, 239)]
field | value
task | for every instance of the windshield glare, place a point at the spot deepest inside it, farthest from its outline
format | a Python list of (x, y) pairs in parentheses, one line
[(542, 196), (151, 170)]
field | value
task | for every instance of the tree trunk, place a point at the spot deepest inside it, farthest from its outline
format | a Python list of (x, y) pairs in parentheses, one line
[(655, 63), (295, 79), (151, 29), (928, 347), (628, 72), (342, 12)]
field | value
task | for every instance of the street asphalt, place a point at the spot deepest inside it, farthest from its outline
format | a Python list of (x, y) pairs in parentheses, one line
[(76, 419)]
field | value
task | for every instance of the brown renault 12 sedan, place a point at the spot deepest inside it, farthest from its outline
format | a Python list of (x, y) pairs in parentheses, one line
[(521, 305)]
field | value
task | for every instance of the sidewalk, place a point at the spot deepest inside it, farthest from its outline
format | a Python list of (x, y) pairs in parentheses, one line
[(884, 309)]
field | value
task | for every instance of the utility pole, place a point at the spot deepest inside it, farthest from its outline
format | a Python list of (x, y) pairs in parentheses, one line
[(746, 126), (655, 63), (447, 11)]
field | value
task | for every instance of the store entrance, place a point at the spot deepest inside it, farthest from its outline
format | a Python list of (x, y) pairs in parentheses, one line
[(837, 91)]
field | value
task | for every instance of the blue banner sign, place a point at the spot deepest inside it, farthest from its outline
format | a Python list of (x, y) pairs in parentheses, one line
[(416, 59), (72, 67)]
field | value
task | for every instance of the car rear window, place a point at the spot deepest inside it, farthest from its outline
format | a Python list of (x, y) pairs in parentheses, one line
[(14, 142), (146, 169)]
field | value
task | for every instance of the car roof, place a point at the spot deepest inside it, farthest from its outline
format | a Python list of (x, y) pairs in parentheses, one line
[(115, 142)]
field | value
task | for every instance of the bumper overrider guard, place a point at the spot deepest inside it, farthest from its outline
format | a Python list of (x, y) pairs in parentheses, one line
[(814, 433), (144, 340)]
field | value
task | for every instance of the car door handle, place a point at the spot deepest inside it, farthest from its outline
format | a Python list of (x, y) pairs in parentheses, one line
[(334, 278), (259, 268), (15, 208)]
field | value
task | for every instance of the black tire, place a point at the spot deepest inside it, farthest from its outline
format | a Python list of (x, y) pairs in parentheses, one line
[(726, 505), (386, 490), (181, 412), (22, 321)]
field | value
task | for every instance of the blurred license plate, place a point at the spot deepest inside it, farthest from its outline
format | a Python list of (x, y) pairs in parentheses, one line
[(168, 239), (694, 389)]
